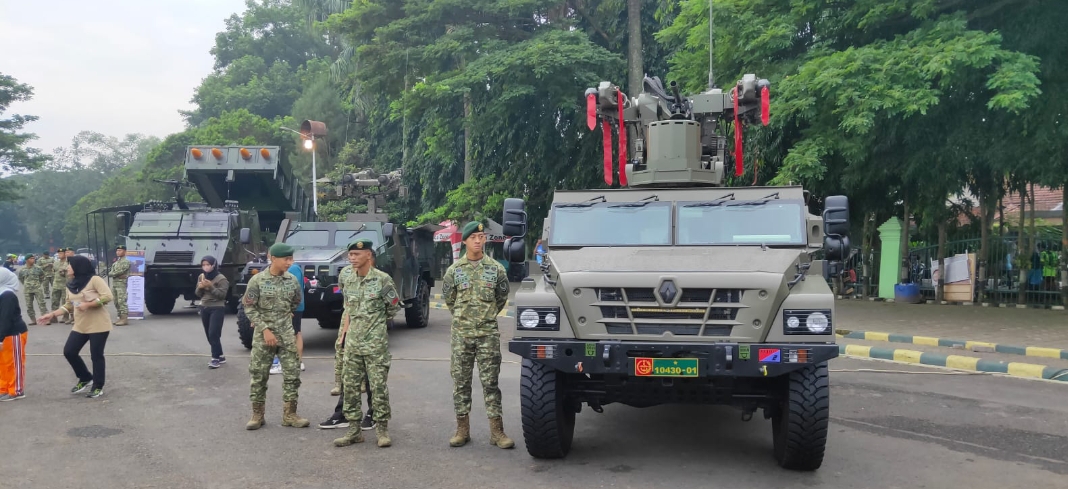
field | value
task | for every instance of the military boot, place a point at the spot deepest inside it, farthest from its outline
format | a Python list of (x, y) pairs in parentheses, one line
[(257, 417), (290, 418), (463, 431), (353, 435), (121, 321), (497, 436), (336, 391), (382, 432)]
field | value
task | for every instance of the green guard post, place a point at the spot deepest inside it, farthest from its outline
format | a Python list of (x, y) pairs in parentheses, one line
[(890, 261)]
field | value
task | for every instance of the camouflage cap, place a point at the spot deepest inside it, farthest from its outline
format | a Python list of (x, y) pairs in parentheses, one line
[(362, 244), (472, 227), (281, 250)]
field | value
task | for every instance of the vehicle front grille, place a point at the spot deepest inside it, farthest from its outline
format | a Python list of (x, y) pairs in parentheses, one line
[(699, 312), (173, 257)]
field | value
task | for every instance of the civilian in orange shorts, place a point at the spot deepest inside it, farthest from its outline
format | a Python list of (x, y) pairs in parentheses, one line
[(13, 336)]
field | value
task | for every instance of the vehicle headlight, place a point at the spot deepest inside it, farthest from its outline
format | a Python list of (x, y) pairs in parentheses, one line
[(538, 318), (807, 321)]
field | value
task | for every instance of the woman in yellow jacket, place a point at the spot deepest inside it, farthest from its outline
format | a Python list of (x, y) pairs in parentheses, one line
[(87, 294)]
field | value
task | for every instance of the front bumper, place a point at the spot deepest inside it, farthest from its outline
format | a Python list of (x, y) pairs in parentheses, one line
[(619, 358)]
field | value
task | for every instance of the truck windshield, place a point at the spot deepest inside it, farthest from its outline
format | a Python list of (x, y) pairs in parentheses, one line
[(740, 222), (309, 238), (611, 224)]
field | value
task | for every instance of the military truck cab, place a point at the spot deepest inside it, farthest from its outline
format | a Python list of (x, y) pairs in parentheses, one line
[(675, 289)]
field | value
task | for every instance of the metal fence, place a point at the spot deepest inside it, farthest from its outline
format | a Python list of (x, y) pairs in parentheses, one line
[(1039, 280)]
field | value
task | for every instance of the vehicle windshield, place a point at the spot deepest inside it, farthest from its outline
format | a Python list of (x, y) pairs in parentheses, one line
[(309, 238), (343, 238), (739, 222), (611, 224)]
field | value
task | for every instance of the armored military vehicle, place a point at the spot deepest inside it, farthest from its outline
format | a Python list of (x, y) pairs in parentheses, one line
[(676, 289), (174, 236), (322, 251)]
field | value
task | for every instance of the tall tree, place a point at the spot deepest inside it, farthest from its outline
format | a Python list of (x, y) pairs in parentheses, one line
[(14, 155)]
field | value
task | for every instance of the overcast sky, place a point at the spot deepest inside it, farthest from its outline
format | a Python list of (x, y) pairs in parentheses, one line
[(110, 66)]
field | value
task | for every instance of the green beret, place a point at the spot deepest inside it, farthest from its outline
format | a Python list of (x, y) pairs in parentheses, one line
[(120, 247), (281, 250), (31, 255), (362, 244), (471, 228)]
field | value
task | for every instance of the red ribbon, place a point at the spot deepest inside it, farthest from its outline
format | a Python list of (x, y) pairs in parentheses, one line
[(591, 111), (737, 136), (606, 130), (765, 106), (622, 141)]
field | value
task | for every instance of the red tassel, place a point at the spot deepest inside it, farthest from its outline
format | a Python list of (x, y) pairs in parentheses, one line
[(606, 130), (591, 111), (765, 106), (622, 141), (737, 136)]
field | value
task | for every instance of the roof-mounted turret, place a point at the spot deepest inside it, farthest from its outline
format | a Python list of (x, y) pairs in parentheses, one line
[(671, 140)]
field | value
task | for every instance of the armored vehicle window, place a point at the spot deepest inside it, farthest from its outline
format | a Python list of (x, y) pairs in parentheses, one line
[(343, 238), (611, 224), (309, 238), (755, 222)]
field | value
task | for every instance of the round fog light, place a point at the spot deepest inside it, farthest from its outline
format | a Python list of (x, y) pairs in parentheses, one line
[(529, 319), (792, 322), (817, 322)]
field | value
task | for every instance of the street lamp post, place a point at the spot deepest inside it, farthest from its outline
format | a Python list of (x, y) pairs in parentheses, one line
[(309, 131)]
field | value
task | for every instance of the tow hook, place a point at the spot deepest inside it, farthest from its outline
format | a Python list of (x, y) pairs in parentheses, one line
[(747, 414), (595, 406)]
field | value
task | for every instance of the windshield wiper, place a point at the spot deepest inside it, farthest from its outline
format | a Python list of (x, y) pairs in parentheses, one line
[(587, 203), (640, 203), (295, 230), (358, 231), (712, 203), (761, 201)]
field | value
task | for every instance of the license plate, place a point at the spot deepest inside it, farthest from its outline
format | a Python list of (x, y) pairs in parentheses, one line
[(665, 367)]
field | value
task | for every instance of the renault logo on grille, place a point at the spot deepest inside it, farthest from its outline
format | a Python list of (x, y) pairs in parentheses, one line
[(668, 291)]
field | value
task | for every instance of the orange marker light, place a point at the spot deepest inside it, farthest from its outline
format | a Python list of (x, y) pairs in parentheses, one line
[(197, 154), (245, 153), (217, 153), (265, 154)]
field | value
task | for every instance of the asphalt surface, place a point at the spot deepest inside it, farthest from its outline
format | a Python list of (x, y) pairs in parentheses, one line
[(167, 420)]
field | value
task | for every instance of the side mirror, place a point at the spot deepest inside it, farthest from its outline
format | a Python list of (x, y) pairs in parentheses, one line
[(387, 229), (245, 235), (514, 221), (836, 227)]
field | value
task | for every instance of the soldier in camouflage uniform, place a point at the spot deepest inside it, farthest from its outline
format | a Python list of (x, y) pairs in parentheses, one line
[(46, 263), (59, 281), (270, 301), (370, 300), (31, 276), (120, 271), (476, 290)]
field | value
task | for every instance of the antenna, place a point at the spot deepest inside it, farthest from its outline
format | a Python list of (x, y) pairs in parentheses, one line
[(711, 76)]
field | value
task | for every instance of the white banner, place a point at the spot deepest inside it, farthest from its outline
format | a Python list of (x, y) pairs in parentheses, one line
[(135, 285)]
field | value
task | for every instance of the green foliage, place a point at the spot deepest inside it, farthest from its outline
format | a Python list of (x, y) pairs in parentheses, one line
[(479, 199), (14, 155)]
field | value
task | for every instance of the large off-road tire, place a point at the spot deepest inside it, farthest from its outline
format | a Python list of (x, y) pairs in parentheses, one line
[(548, 419), (244, 327), (159, 301), (330, 322), (799, 424), (418, 315)]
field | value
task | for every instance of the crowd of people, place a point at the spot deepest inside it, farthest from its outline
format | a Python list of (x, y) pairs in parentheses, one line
[(475, 290)]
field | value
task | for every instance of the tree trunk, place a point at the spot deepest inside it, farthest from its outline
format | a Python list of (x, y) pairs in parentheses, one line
[(987, 202), (865, 245), (1022, 257), (467, 137), (905, 227), (940, 286), (635, 61)]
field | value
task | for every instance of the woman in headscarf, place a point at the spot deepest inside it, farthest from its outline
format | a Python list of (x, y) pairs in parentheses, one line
[(211, 289), (87, 294), (13, 338)]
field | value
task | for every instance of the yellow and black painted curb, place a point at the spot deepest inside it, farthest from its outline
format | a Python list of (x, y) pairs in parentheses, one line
[(1030, 351), (506, 313), (959, 362)]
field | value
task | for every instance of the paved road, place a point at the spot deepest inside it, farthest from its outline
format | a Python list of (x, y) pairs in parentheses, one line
[(168, 421)]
